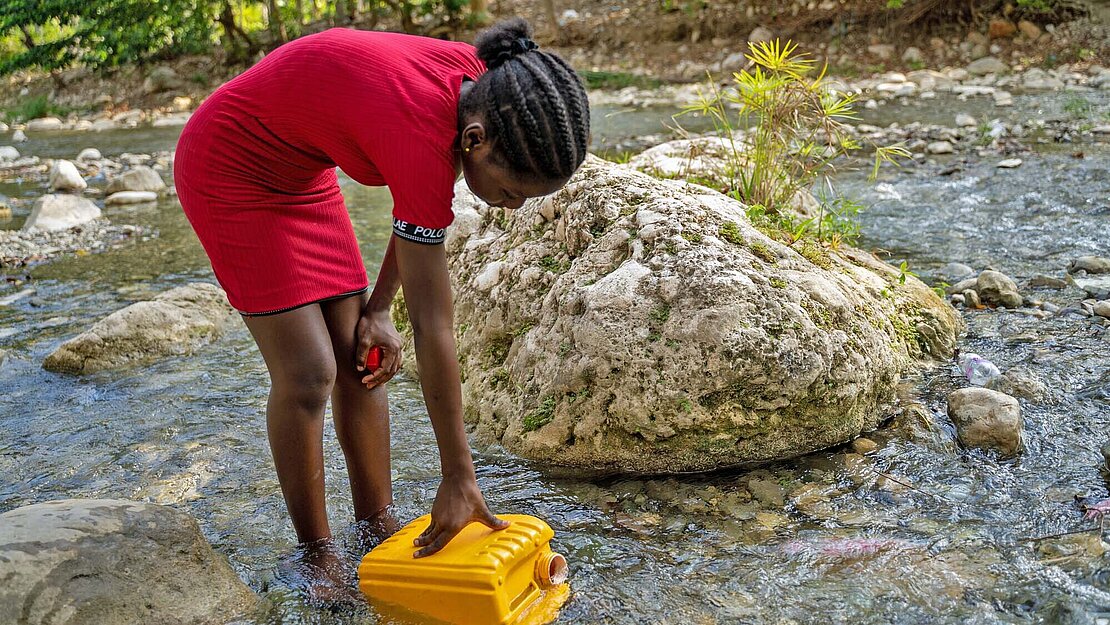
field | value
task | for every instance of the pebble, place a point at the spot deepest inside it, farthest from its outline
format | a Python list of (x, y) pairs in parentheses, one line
[(1010, 163), (940, 147), (963, 120), (864, 446)]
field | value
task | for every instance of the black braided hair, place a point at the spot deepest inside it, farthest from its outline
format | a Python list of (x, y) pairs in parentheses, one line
[(535, 105)]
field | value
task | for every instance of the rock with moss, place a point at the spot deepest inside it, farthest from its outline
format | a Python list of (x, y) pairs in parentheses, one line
[(175, 322), (637, 324), (113, 562)]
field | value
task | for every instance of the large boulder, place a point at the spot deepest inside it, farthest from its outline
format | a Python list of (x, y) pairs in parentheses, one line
[(139, 178), (61, 211), (987, 420), (45, 123), (113, 562), (636, 324), (175, 322), (65, 177)]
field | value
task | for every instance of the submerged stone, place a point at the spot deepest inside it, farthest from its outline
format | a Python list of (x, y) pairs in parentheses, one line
[(175, 322), (113, 562)]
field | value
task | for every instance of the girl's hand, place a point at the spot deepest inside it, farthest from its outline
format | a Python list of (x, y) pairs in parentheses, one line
[(458, 502), (375, 328)]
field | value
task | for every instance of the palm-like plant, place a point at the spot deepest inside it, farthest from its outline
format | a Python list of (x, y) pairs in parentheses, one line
[(799, 126)]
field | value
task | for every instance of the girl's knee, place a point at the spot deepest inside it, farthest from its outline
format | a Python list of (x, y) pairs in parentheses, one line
[(308, 384)]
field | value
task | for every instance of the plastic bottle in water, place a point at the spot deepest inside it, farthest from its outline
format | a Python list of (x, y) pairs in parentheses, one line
[(977, 369)]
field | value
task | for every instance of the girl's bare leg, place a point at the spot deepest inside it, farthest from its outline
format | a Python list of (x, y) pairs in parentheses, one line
[(361, 420)]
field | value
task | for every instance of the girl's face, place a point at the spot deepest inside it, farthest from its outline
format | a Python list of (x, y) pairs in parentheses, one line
[(492, 182)]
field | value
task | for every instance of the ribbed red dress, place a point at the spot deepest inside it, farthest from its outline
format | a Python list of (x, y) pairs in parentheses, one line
[(255, 165)]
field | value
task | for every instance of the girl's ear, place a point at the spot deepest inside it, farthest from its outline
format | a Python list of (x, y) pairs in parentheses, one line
[(473, 136)]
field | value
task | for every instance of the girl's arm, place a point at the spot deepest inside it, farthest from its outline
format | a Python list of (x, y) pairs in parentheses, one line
[(423, 274), (376, 327)]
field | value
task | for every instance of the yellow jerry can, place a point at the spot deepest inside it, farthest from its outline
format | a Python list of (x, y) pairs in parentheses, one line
[(482, 577)]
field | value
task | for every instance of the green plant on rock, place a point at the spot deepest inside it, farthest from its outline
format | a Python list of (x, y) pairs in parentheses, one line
[(541, 416)]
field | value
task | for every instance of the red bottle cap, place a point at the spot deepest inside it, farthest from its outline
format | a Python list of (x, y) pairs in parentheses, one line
[(374, 358)]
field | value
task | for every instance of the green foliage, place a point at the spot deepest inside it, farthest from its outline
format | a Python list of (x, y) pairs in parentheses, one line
[(541, 416), (617, 80), (800, 126), (1078, 107), (730, 232), (904, 272), (33, 108), (60, 33)]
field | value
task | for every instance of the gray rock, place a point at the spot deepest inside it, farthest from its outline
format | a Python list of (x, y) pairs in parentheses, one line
[(45, 124), (113, 562), (1037, 78), (130, 197), (1020, 382), (940, 147), (1003, 98), (171, 120), (987, 65), (139, 178), (1101, 308), (884, 51), (1009, 163), (1090, 264), (913, 55), (1097, 287), (162, 79), (963, 285), (60, 212), (998, 289), (19, 137), (638, 277), (65, 177), (963, 120), (972, 299), (1040, 280), (987, 420), (175, 322), (954, 271), (8, 153), (760, 34), (89, 154), (768, 493), (101, 125), (3, 127)]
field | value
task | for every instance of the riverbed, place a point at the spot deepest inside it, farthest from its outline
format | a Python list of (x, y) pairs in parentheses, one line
[(918, 530)]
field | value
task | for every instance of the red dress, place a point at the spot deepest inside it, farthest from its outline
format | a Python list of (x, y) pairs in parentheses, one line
[(255, 165)]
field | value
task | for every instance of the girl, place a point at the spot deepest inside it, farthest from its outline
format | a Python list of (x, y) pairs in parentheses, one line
[(255, 173)]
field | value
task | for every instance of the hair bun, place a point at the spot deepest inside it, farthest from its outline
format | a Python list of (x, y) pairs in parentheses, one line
[(504, 40)]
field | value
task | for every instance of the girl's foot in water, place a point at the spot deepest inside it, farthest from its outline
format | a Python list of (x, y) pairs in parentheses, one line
[(370, 532), (319, 570)]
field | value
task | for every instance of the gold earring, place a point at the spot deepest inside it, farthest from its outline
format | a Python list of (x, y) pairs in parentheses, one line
[(466, 149)]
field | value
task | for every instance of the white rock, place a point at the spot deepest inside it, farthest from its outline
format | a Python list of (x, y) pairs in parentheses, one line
[(1003, 98), (139, 178), (44, 124), (19, 136), (570, 15), (1102, 130), (625, 319), (61, 211), (101, 125), (969, 90), (130, 197), (8, 153), (171, 121), (883, 51), (963, 120), (958, 74), (3, 127), (175, 322), (89, 154), (65, 177), (987, 65), (1037, 78), (940, 147), (1010, 163)]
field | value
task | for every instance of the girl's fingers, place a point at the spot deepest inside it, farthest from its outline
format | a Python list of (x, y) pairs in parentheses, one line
[(439, 543)]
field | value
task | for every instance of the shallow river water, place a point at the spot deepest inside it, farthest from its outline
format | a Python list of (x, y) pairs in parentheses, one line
[(918, 531)]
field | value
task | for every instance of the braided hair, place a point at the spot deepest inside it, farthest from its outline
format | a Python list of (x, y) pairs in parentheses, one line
[(534, 104)]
